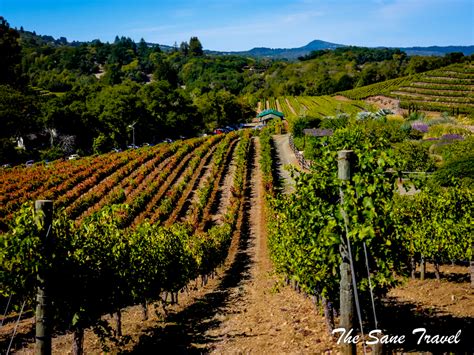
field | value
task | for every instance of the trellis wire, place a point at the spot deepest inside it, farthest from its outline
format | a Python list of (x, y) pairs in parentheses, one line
[(16, 327), (356, 294), (6, 310), (370, 286)]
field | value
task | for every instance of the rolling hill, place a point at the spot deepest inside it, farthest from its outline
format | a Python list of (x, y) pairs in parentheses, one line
[(294, 53), (448, 89)]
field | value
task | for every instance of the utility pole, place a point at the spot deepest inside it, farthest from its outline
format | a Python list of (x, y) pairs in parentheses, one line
[(44, 215), (132, 126)]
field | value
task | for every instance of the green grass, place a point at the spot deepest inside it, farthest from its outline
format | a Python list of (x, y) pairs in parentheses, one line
[(382, 88)]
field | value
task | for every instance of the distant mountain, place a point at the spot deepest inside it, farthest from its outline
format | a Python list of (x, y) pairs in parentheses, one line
[(436, 50), (294, 53), (283, 53)]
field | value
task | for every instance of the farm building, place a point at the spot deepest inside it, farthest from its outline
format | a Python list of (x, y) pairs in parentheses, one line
[(267, 115)]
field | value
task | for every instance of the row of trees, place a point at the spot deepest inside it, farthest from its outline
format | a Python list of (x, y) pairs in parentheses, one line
[(95, 118)]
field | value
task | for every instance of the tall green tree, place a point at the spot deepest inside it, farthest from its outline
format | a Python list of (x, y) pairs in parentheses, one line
[(169, 112), (221, 108), (184, 48), (10, 53), (117, 107), (195, 47)]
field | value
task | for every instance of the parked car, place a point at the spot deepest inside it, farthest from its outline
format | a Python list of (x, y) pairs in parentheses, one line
[(131, 146), (145, 144), (5, 166), (116, 150), (30, 163), (74, 156), (220, 131), (167, 140)]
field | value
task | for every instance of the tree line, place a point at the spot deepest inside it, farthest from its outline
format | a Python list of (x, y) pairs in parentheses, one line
[(59, 97)]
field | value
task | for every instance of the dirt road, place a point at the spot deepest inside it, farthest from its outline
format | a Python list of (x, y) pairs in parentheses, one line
[(285, 157)]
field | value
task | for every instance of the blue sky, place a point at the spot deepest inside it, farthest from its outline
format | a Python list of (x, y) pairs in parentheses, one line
[(244, 24)]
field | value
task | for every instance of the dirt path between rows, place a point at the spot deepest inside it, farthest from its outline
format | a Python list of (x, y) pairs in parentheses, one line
[(290, 107), (278, 105), (261, 317), (284, 157)]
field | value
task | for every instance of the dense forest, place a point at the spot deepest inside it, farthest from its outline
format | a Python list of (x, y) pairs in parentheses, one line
[(58, 97)]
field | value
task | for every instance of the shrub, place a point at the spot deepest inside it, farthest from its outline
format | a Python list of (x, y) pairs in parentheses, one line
[(456, 172), (419, 126), (392, 131), (452, 150), (335, 122), (414, 156), (51, 153), (299, 124), (438, 131)]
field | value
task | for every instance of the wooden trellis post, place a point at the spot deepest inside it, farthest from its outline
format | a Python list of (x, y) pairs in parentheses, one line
[(44, 214), (346, 293)]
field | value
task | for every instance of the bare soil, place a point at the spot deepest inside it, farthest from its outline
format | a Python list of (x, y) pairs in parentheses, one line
[(384, 102), (452, 294), (285, 158), (290, 107), (278, 105), (259, 316), (443, 307), (341, 98), (393, 104)]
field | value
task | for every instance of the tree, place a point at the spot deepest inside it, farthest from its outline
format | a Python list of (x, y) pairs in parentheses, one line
[(116, 107), (369, 75), (454, 57), (195, 47), (184, 48), (164, 71), (113, 74), (221, 108), (417, 65), (142, 49), (10, 58), (170, 113), (18, 113), (345, 82)]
